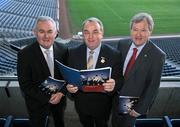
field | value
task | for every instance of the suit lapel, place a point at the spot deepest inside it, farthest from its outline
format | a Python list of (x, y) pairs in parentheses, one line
[(43, 64), (82, 57), (141, 59), (98, 63), (56, 56), (125, 50), (102, 60)]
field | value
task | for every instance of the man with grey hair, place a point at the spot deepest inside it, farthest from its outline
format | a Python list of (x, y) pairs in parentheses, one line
[(94, 108), (33, 68), (142, 66)]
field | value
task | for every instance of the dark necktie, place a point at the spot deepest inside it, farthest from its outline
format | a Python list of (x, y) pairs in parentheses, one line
[(131, 62)]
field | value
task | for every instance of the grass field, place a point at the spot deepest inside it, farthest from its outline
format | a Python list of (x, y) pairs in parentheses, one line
[(116, 14)]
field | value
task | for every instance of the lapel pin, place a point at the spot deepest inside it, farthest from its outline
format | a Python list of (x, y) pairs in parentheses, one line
[(102, 59), (145, 55)]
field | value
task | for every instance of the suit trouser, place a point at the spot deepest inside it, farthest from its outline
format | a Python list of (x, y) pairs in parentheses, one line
[(39, 119), (122, 120), (90, 121)]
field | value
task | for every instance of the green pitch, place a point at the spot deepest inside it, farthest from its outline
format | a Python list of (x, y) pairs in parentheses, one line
[(116, 14)]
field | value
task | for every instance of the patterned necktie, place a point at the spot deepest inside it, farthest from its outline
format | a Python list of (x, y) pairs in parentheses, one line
[(90, 60), (131, 62), (50, 62)]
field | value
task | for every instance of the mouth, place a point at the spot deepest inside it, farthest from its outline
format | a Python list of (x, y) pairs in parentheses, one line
[(138, 39), (90, 41), (45, 40)]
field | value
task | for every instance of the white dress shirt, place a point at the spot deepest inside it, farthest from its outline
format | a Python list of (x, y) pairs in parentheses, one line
[(129, 54)]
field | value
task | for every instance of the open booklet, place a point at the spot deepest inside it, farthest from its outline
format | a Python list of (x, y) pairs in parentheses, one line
[(86, 80), (127, 103), (51, 85)]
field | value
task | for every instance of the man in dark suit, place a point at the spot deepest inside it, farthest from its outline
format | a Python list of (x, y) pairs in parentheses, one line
[(32, 68), (143, 78), (94, 108)]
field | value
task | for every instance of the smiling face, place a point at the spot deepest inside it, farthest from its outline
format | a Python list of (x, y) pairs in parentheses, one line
[(140, 32), (92, 34), (45, 33)]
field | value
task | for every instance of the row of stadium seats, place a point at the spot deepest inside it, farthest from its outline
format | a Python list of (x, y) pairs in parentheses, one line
[(30, 9), (8, 59), (145, 122), (17, 17), (12, 21), (158, 122), (9, 56), (171, 46), (10, 121), (45, 3), (169, 70), (9, 33)]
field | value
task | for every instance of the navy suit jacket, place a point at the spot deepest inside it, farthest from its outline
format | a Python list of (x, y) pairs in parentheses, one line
[(32, 70), (144, 78), (95, 104)]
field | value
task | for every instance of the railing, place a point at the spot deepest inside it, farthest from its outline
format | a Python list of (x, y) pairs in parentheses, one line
[(163, 79)]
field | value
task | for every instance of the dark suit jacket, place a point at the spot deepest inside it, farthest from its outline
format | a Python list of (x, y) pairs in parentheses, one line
[(144, 78), (95, 104), (32, 70)]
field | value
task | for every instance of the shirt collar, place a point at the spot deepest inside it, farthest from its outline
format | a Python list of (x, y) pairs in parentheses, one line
[(139, 47), (96, 50), (43, 49)]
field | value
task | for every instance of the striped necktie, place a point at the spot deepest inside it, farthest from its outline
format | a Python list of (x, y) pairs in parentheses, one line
[(90, 60)]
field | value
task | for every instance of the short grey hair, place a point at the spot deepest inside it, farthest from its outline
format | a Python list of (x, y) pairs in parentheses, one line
[(94, 19), (143, 16), (43, 19)]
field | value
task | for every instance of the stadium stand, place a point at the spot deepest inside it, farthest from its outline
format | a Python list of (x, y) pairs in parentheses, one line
[(6, 122), (175, 122), (17, 17), (11, 121), (151, 122), (8, 52)]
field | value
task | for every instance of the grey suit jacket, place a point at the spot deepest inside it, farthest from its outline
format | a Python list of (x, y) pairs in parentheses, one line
[(144, 78)]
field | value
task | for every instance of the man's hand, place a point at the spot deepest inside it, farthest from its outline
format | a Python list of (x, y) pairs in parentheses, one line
[(134, 113), (71, 88), (109, 85), (55, 98)]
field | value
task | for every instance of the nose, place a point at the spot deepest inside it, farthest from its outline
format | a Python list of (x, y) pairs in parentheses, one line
[(138, 33), (90, 35), (46, 35)]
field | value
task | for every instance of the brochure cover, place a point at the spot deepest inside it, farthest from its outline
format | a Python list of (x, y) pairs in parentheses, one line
[(87, 80), (51, 85), (126, 103)]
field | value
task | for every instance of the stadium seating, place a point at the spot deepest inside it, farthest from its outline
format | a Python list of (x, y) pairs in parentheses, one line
[(175, 122), (17, 17), (10, 121), (171, 67), (6, 122), (24, 122), (157, 122), (8, 59), (150, 122)]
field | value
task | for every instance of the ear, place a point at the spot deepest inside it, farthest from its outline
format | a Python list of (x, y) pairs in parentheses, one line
[(34, 32), (56, 34), (150, 32)]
